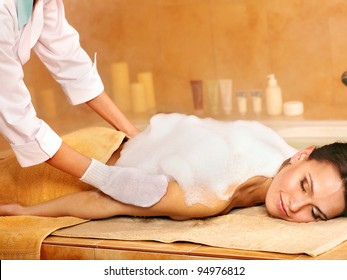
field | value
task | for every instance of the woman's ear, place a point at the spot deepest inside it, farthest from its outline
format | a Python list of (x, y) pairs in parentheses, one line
[(302, 154)]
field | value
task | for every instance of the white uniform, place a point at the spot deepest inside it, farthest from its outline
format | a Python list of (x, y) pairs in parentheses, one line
[(57, 45)]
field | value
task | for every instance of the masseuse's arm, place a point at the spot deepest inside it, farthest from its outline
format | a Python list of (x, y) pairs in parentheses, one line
[(59, 49), (105, 107), (74, 163), (70, 161)]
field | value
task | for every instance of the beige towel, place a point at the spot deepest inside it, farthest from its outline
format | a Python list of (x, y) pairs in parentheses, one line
[(248, 229), (21, 237)]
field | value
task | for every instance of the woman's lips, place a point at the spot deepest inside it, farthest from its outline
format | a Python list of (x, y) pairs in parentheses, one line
[(282, 207)]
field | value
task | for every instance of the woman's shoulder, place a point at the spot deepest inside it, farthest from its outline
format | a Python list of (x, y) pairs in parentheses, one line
[(250, 193)]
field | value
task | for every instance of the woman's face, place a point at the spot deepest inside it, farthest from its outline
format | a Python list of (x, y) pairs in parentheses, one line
[(306, 191)]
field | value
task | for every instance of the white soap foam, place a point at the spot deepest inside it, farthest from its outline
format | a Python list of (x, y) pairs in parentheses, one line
[(205, 155)]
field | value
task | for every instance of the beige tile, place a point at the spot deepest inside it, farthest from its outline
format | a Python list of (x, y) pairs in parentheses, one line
[(207, 251), (57, 252), (104, 254), (300, 49), (186, 51), (69, 241), (177, 247), (178, 2), (338, 41), (240, 37)]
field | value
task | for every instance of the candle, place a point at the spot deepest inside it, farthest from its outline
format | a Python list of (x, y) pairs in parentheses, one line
[(121, 85), (146, 78), (138, 98)]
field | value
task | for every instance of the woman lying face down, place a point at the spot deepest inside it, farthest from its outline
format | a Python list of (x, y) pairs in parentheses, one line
[(213, 167), (310, 186)]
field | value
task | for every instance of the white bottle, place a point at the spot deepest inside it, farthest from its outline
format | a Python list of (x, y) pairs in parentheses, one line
[(273, 97)]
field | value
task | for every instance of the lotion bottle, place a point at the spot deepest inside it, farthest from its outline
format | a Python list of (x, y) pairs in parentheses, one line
[(273, 97)]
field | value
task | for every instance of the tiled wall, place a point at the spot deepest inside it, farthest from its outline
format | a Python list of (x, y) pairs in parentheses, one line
[(304, 42)]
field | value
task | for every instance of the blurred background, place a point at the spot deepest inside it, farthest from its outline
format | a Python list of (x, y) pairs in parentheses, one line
[(303, 42)]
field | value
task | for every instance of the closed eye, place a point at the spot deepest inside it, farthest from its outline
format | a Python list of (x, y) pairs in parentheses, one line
[(303, 185), (315, 209), (317, 214)]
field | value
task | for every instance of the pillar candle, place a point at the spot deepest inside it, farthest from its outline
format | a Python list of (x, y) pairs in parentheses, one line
[(146, 78), (121, 85), (138, 98)]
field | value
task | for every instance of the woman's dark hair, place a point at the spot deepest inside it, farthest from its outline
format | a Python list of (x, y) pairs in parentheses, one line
[(336, 155)]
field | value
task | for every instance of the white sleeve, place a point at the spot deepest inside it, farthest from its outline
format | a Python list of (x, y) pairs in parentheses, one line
[(59, 49), (32, 140)]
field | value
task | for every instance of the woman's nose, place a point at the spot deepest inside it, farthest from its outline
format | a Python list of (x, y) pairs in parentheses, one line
[(297, 204)]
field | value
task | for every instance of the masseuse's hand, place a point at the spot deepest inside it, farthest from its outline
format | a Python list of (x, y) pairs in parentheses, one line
[(126, 184), (132, 131)]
